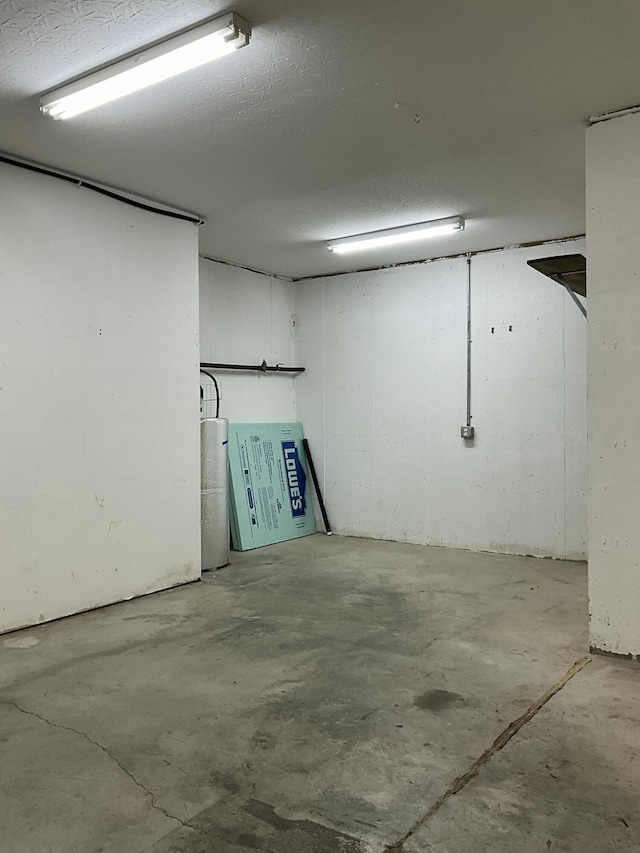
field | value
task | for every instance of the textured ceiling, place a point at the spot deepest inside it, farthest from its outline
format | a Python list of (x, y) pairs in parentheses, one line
[(342, 116)]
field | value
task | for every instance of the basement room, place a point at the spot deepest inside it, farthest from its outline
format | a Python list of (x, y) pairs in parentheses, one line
[(319, 354)]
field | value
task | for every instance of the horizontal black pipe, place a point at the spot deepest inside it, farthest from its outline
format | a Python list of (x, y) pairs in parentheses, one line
[(96, 188), (261, 368)]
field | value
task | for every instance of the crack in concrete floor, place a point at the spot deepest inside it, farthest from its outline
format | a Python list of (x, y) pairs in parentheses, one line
[(398, 846), (499, 743), (115, 760), (305, 674)]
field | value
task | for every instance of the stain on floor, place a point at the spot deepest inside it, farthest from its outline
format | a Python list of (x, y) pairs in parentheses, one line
[(439, 700), (235, 827)]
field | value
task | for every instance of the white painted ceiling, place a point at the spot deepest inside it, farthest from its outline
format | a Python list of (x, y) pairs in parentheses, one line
[(342, 116)]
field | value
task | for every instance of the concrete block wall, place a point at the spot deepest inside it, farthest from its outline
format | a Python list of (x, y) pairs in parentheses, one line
[(99, 458), (613, 224), (383, 400), (246, 317)]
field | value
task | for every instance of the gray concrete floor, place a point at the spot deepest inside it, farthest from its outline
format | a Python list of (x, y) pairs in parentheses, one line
[(318, 697)]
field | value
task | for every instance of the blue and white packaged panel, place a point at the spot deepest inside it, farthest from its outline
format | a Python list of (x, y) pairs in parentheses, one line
[(269, 496)]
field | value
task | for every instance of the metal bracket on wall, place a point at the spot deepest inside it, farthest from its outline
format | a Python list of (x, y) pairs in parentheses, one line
[(570, 271), (259, 368), (570, 291)]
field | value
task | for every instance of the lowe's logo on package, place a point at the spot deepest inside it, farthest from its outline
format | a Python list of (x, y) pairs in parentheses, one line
[(296, 478)]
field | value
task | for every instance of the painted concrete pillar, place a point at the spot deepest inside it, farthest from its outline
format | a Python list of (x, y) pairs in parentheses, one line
[(613, 304)]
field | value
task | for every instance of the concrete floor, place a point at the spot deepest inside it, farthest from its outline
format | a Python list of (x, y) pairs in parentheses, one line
[(319, 697)]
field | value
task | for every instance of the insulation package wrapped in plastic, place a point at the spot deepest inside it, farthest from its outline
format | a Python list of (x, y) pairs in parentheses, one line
[(214, 433)]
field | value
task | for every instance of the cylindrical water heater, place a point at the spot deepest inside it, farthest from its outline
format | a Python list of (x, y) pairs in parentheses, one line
[(214, 435)]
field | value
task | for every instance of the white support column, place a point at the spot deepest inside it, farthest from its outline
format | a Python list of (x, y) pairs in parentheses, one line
[(613, 299)]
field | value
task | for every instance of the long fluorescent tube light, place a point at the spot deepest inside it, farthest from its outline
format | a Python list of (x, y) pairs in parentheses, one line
[(394, 236), (215, 38)]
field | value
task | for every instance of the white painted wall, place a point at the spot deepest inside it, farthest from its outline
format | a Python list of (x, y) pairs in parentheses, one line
[(383, 400), (245, 318), (613, 225), (99, 458)]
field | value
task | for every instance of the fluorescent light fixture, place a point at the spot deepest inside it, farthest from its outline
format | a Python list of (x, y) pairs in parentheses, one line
[(208, 41), (395, 236)]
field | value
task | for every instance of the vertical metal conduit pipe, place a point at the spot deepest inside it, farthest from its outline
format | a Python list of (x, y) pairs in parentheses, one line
[(467, 431)]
